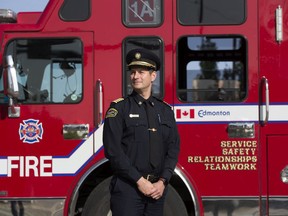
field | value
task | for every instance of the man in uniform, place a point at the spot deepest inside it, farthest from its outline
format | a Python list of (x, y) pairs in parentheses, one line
[(141, 142)]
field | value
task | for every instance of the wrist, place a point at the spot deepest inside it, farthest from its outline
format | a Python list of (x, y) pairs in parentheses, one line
[(140, 181), (164, 181)]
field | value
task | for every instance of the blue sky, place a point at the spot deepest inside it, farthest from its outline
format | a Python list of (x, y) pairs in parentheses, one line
[(23, 5)]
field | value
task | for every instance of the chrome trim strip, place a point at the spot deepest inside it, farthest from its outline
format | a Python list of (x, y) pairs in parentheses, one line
[(35, 206), (236, 206), (279, 24)]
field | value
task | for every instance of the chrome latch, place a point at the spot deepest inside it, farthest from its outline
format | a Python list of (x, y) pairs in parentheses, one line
[(241, 130), (75, 131), (13, 110), (284, 175)]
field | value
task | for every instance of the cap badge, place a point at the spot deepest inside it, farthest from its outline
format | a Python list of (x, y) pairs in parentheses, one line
[(137, 55)]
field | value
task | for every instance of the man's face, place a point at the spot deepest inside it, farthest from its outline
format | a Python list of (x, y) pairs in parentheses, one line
[(141, 78)]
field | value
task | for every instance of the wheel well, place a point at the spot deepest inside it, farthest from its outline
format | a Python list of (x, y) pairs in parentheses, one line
[(103, 171), (182, 190), (92, 180)]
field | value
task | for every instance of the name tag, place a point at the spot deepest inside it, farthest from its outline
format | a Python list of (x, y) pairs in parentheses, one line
[(134, 115)]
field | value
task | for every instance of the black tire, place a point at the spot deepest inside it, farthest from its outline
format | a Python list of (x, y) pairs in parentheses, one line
[(174, 205), (98, 202)]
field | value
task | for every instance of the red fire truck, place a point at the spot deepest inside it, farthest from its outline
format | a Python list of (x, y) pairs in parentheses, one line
[(223, 73)]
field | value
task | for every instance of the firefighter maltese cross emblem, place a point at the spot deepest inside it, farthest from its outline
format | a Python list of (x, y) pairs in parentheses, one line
[(31, 131)]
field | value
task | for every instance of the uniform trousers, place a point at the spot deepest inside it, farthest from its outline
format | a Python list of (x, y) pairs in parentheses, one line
[(127, 200)]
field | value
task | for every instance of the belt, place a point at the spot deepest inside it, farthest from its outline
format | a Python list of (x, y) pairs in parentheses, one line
[(152, 178)]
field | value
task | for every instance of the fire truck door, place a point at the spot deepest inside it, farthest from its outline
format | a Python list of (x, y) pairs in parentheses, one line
[(48, 134), (274, 100)]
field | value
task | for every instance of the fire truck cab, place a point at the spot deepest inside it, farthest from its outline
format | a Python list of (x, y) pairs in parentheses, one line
[(223, 73)]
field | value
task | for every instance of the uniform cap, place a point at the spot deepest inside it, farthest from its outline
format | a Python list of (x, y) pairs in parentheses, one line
[(144, 58)]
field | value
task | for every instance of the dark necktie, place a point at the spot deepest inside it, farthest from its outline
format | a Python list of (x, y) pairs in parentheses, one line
[(154, 141)]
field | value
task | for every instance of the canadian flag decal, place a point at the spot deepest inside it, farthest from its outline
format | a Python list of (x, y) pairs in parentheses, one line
[(184, 113)]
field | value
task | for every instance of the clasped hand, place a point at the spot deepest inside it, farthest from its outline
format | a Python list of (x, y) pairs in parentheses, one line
[(154, 190)]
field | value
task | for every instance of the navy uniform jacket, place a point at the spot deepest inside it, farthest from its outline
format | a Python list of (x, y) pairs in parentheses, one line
[(126, 138)]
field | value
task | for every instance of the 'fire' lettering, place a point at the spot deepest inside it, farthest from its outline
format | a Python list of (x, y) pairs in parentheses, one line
[(29, 166)]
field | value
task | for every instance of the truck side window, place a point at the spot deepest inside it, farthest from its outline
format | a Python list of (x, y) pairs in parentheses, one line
[(153, 44), (212, 68), (211, 12), (48, 70), (75, 10)]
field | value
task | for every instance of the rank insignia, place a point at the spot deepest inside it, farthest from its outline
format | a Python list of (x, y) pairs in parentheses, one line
[(118, 100)]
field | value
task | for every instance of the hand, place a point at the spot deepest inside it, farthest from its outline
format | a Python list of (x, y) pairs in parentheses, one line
[(145, 187), (158, 193)]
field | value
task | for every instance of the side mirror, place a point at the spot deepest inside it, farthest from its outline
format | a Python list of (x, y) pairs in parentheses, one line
[(12, 88)]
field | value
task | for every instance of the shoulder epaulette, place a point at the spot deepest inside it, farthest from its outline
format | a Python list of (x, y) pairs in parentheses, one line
[(164, 103), (118, 100), (167, 104)]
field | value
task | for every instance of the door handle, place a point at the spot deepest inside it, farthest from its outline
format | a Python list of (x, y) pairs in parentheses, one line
[(267, 103), (99, 103)]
